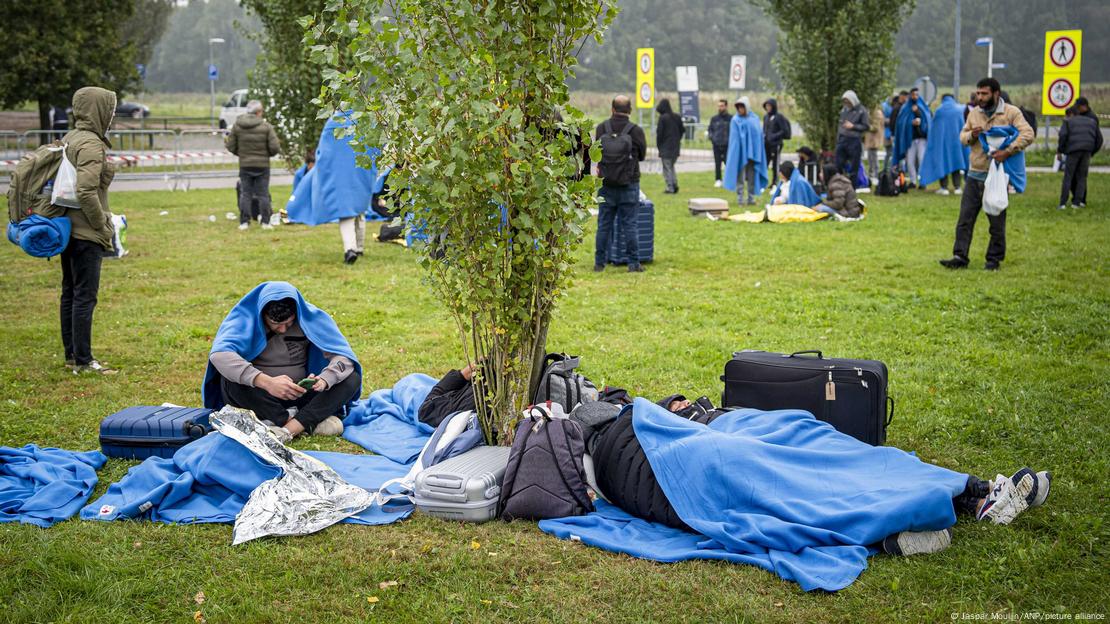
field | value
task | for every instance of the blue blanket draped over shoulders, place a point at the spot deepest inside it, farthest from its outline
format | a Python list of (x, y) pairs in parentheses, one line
[(1014, 166), (43, 486), (41, 237), (780, 490), (944, 153), (745, 143), (336, 187), (799, 192), (244, 332), (903, 126)]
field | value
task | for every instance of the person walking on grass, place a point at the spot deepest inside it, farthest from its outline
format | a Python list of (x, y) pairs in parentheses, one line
[(992, 113), (623, 147), (87, 148), (668, 139), (1080, 139), (718, 137), (854, 121), (254, 141)]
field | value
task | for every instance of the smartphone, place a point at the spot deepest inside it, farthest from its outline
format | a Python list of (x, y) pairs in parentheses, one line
[(307, 382)]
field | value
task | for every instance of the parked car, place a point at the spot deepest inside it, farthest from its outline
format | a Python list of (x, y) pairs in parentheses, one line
[(132, 109), (236, 105)]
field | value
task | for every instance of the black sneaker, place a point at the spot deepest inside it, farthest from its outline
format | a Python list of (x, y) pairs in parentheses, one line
[(991, 265), (635, 268), (350, 256), (955, 262), (598, 268), (909, 543)]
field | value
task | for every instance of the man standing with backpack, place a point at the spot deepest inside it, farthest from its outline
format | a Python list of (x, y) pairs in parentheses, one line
[(254, 141), (623, 146), (87, 148)]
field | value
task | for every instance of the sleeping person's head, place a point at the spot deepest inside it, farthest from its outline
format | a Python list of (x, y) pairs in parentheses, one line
[(674, 403), (279, 315), (786, 169), (827, 173)]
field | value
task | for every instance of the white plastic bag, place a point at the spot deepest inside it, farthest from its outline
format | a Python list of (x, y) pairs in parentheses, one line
[(996, 195), (65, 184)]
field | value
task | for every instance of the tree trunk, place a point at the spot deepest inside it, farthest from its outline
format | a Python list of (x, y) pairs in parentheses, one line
[(44, 121)]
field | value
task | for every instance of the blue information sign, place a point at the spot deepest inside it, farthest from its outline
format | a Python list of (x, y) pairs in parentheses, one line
[(213, 72)]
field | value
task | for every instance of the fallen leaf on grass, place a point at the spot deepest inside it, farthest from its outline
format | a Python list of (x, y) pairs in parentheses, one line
[(198, 617), (778, 604), (387, 584), (487, 602), (199, 598), (138, 544), (475, 545), (372, 599)]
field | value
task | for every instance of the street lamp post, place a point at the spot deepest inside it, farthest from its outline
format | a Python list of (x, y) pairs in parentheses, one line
[(211, 80), (991, 65)]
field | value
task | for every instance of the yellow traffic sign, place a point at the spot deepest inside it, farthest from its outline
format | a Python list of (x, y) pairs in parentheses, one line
[(1063, 59), (645, 78)]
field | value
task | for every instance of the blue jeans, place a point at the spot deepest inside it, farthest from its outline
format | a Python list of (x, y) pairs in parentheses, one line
[(622, 202)]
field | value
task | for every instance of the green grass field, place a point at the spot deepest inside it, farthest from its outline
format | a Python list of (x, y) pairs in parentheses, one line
[(991, 371)]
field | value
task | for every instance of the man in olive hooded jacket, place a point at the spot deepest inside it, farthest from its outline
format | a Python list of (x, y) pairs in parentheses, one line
[(87, 148)]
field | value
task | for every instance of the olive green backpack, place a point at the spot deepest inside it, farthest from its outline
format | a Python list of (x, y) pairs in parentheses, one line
[(32, 182)]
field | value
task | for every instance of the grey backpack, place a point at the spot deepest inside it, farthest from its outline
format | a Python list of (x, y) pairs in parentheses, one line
[(545, 476), (560, 384)]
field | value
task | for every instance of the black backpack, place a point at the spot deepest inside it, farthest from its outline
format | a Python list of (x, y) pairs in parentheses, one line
[(886, 186), (618, 163), (559, 383), (545, 476)]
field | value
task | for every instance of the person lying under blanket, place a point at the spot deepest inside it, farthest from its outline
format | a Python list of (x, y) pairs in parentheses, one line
[(624, 477), (454, 393), (285, 360)]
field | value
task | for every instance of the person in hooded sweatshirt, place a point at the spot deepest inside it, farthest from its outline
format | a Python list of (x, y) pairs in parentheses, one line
[(776, 129), (92, 234), (718, 136), (254, 141), (1080, 139), (668, 138), (854, 122)]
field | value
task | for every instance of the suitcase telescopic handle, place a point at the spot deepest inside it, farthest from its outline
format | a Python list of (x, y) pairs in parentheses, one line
[(890, 412), (797, 353)]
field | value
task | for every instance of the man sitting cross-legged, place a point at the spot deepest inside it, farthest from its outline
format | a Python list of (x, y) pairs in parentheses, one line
[(284, 359)]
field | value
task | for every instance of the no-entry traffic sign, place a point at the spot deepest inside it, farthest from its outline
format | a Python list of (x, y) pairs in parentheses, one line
[(1063, 58), (738, 72)]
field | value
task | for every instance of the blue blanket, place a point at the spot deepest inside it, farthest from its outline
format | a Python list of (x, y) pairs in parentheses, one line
[(336, 188), (745, 143), (39, 236), (799, 192), (1014, 166), (211, 479), (387, 422), (903, 126), (42, 486), (779, 490), (944, 153), (244, 332)]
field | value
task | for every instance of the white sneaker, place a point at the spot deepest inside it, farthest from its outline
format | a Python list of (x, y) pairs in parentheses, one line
[(909, 543), (717, 184), (958, 191), (1009, 497), (282, 434), (1044, 484), (942, 191), (243, 226), (267, 226), (1062, 207), (330, 426)]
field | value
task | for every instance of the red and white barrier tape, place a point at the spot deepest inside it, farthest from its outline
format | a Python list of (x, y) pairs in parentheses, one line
[(134, 158)]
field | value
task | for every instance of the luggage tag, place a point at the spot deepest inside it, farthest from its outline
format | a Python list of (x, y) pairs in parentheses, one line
[(830, 389)]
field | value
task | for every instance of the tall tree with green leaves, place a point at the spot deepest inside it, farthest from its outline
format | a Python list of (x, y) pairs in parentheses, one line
[(284, 78), (51, 48), (469, 99), (828, 47)]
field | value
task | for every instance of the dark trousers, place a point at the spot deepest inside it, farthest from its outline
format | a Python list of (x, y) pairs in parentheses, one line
[(975, 490), (621, 202), (970, 205), (312, 407), (849, 150), (774, 152), (720, 154), (1075, 178), (80, 285), (254, 186), (956, 177)]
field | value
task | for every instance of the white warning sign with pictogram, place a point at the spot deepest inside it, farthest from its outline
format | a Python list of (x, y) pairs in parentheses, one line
[(738, 72)]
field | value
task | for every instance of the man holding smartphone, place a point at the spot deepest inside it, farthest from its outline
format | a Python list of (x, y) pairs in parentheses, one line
[(284, 359)]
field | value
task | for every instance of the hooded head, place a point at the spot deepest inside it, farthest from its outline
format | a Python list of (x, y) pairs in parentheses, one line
[(851, 98), (673, 403), (743, 101), (93, 110), (771, 106), (664, 107)]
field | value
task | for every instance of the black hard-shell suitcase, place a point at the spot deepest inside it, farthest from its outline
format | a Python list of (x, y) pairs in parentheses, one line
[(850, 395), (152, 431), (645, 236)]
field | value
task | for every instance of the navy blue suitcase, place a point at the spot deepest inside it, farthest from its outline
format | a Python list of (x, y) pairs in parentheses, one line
[(645, 230), (152, 431)]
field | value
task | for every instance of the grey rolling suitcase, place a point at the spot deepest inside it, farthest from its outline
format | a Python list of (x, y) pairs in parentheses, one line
[(464, 488)]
